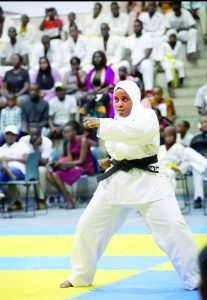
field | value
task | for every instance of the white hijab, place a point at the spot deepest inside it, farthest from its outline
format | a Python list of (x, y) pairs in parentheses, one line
[(133, 91)]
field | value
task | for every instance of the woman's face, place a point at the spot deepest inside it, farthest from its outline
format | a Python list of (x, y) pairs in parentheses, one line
[(68, 133), (123, 103), (97, 59), (43, 64)]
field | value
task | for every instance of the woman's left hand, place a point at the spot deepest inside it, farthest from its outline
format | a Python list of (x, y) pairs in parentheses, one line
[(91, 123)]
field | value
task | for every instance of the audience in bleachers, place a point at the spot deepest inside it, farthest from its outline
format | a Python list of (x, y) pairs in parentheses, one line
[(75, 66), (46, 77), (62, 109)]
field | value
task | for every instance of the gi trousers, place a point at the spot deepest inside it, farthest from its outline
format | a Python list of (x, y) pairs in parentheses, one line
[(101, 220)]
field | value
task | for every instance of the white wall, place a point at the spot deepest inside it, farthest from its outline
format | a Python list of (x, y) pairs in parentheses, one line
[(37, 8)]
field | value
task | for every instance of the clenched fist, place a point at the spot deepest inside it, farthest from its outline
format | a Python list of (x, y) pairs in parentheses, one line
[(105, 163), (91, 123)]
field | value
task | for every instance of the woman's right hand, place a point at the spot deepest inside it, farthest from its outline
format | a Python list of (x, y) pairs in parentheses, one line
[(105, 163)]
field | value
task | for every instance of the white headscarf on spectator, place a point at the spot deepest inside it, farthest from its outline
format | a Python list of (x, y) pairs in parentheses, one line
[(132, 89)]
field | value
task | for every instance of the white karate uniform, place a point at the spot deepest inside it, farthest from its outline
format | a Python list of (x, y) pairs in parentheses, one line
[(201, 98), (137, 46), (155, 27), (119, 26), (166, 50), (133, 137), (185, 20)]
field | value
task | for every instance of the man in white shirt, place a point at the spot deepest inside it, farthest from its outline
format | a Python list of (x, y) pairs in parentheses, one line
[(37, 143), (26, 31), (93, 22), (14, 47), (78, 45), (183, 136), (139, 46), (5, 24), (182, 21), (154, 25), (46, 48), (62, 109), (113, 48), (118, 22), (13, 156)]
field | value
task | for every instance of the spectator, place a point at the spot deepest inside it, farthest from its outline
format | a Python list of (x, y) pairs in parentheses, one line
[(134, 9), (154, 25), (171, 63), (71, 22), (99, 83), (164, 104), (123, 75), (93, 22), (182, 21), (183, 136), (74, 81), (14, 47), (26, 31), (62, 109), (202, 259), (172, 155), (165, 7), (17, 81), (11, 115), (163, 123), (201, 100), (139, 48), (43, 145), (34, 110), (78, 45), (13, 157), (199, 144), (198, 10), (69, 168), (47, 49), (46, 77), (108, 44), (52, 25), (5, 24), (118, 22)]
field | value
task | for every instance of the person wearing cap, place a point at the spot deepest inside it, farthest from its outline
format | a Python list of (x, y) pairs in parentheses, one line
[(133, 180), (62, 109), (12, 160)]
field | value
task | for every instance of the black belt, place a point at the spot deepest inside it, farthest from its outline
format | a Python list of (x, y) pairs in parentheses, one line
[(126, 165)]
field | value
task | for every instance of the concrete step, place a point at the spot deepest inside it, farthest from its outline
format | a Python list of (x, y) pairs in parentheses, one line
[(195, 82), (194, 72), (201, 62), (186, 92)]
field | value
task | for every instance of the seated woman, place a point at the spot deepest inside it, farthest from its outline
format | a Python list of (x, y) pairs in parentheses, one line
[(46, 77), (99, 84), (78, 161), (16, 81), (75, 79)]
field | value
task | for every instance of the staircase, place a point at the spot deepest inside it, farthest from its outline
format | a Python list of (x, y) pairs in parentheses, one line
[(196, 76)]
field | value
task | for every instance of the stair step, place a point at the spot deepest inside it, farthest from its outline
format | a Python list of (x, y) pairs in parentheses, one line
[(201, 62)]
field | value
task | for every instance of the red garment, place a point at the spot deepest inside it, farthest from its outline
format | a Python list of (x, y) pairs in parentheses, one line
[(50, 24)]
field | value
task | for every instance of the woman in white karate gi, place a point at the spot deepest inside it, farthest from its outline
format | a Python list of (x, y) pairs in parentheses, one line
[(133, 136)]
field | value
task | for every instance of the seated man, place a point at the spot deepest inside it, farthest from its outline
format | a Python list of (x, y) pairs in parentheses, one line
[(12, 157), (201, 99), (37, 143), (62, 109)]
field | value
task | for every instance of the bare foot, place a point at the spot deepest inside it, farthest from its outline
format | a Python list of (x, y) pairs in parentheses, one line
[(66, 284)]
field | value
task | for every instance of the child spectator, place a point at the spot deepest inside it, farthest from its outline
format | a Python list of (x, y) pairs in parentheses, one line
[(52, 25), (11, 115)]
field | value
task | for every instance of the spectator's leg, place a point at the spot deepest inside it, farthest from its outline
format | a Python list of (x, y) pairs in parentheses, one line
[(146, 68)]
